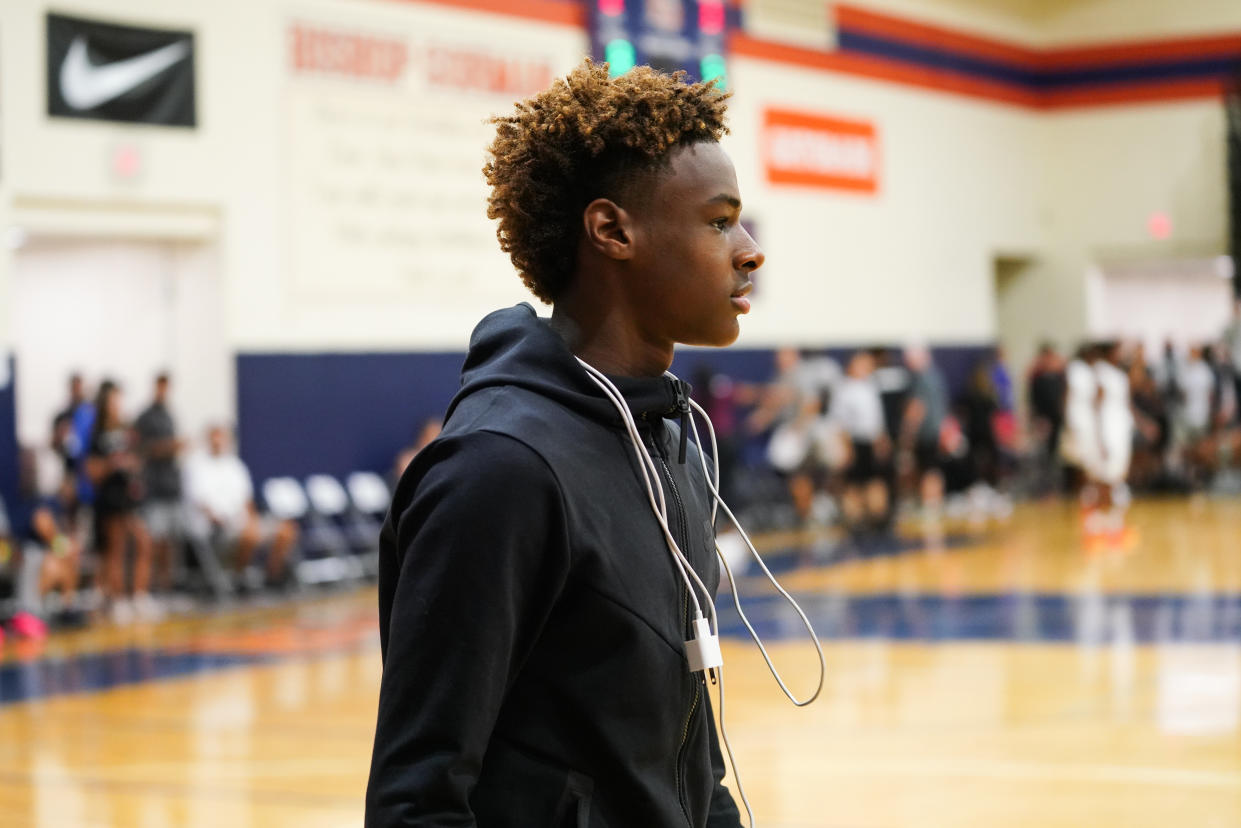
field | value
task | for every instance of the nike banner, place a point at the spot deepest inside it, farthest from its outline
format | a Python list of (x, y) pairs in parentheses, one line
[(119, 73)]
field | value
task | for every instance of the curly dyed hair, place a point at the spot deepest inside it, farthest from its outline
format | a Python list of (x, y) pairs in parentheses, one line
[(586, 137)]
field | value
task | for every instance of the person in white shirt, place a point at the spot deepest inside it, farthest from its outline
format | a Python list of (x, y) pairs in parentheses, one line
[(220, 496), (1197, 384), (1115, 434), (858, 409), (1081, 447)]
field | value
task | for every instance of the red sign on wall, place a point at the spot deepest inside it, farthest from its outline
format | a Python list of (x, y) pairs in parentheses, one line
[(805, 150)]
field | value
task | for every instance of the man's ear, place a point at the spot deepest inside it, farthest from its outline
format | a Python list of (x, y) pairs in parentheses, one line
[(609, 228)]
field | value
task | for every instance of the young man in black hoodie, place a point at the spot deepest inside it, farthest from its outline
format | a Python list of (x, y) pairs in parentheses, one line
[(531, 615)]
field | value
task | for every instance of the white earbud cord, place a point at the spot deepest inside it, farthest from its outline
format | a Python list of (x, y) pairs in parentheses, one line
[(713, 485), (650, 479), (655, 495)]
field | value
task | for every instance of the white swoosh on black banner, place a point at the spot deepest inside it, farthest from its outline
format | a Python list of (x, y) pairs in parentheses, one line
[(84, 85)]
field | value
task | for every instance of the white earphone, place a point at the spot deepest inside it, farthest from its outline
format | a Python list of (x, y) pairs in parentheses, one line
[(703, 650)]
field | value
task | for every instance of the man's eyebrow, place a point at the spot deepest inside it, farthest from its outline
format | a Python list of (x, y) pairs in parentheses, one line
[(730, 200)]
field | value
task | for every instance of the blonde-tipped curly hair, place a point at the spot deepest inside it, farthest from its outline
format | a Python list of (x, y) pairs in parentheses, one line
[(585, 138)]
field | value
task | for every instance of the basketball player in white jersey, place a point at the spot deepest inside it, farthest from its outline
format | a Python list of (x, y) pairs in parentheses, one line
[(1081, 446), (1115, 433)]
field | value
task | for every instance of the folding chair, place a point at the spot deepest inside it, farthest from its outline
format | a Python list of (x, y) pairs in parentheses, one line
[(323, 555), (330, 501)]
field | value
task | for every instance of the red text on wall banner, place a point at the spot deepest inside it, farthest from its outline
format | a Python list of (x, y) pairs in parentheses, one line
[(322, 51), (810, 150), (460, 67)]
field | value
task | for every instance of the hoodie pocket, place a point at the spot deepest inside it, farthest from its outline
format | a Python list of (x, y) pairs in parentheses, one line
[(517, 789)]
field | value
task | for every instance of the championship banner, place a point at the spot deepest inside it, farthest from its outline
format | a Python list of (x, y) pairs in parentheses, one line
[(107, 72)]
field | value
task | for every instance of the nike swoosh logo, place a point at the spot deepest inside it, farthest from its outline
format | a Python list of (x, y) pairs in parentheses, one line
[(84, 85)]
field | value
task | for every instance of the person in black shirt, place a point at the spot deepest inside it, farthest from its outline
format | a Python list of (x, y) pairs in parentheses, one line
[(162, 510), (1047, 389), (115, 471), (532, 619)]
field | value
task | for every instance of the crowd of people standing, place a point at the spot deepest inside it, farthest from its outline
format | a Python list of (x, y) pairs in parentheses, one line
[(855, 439)]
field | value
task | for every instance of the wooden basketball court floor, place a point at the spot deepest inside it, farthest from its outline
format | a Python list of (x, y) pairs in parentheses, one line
[(1013, 677)]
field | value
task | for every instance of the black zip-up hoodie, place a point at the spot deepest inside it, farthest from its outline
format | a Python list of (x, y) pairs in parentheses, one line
[(531, 617)]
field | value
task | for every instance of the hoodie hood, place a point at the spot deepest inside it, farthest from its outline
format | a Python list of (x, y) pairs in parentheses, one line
[(514, 347)]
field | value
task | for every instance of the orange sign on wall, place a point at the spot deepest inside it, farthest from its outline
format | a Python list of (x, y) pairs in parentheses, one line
[(808, 150)]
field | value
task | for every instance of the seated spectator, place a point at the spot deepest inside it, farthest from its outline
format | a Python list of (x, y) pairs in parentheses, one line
[(47, 558), (220, 502)]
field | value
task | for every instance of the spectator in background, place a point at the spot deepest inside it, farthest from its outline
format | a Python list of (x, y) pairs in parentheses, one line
[(718, 396), (1198, 388), (978, 407), (220, 496), (1002, 381), (1232, 341), (1167, 373), (115, 470), (1150, 438), (1196, 421), (427, 431), (921, 425), (162, 510), (1046, 390), (892, 378), (47, 557), (1223, 401), (858, 409), (791, 406), (79, 412), (73, 444)]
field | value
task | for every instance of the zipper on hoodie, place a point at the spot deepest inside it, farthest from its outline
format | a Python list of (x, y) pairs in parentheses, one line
[(680, 531)]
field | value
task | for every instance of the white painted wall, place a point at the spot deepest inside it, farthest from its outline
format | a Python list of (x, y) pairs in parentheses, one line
[(912, 260), (961, 180)]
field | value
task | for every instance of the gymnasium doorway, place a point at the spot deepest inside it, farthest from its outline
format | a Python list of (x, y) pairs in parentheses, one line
[(121, 310), (1182, 300)]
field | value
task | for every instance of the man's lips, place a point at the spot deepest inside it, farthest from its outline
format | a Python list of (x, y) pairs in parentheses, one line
[(738, 297)]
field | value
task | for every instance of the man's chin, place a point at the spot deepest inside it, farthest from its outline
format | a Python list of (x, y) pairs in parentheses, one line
[(720, 337)]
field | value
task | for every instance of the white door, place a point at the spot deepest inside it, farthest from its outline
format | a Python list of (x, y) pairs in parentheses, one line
[(123, 310), (1186, 301)]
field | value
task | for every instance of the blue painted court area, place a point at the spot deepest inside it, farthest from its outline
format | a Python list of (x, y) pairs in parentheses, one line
[(41, 678), (1087, 618)]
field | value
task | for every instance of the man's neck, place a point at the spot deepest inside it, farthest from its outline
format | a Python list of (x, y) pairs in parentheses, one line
[(605, 336)]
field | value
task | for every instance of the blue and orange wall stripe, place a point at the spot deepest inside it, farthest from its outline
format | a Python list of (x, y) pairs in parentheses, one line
[(954, 61), (897, 50)]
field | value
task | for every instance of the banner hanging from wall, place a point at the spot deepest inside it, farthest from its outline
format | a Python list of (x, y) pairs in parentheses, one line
[(108, 72), (804, 149)]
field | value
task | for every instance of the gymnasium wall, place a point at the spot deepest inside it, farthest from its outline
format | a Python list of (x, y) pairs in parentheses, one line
[(346, 207)]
